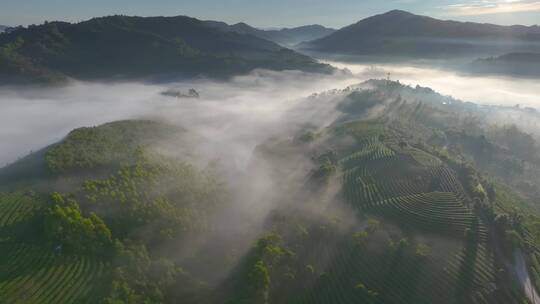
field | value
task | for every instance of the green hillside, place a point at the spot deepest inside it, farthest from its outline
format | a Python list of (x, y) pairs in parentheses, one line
[(391, 207), (122, 47), (417, 236), (35, 272)]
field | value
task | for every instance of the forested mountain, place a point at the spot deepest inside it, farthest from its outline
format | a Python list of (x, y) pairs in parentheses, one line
[(285, 36), (2, 28), (407, 197), (296, 35), (137, 47), (399, 33), (514, 64)]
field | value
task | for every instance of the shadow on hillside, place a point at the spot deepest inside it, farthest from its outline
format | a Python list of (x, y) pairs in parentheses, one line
[(467, 269)]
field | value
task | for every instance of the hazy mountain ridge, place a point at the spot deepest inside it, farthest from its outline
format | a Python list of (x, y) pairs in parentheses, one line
[(513, 64), (400, 33), (137, 47), (286, 36)]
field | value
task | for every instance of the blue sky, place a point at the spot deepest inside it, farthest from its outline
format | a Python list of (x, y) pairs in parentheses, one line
[(271, 13)]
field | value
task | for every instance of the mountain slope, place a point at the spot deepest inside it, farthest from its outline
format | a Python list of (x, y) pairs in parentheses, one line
[(285, 37), (515, 64), (136, 47), (305, 33), (383, 206), (402, 33)]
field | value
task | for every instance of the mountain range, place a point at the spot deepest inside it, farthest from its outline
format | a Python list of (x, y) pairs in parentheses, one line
[(137, 47), (168, 48), (286, 36), (400, 33)]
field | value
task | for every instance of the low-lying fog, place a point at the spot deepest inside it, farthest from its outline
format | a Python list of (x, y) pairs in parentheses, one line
[(481, 89), (236, 115)]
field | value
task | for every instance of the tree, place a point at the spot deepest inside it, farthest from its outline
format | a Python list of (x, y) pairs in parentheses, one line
[(372, 225), (423, 251), (491, 194), (516, 220), (513, 239), (502, 222), (361, 237), (259, 279), (367, 295), (65, 225)]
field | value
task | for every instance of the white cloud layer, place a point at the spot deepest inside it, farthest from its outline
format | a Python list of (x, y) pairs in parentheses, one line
[(238, 114), (489, 7)]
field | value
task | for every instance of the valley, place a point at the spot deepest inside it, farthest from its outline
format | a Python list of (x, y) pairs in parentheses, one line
[(173, 159), (377, 185)]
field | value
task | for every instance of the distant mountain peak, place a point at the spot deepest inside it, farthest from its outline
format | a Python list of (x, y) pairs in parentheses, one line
[(242, 24), (312, 26), (393, 16), (287, 37), (244, 28), (401, 33), (398, 12)]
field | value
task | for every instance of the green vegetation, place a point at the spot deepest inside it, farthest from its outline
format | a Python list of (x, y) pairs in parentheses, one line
[(32, 275), (36, 271), (420, 193), (103, 147), (396, 207), (136, 47), (91, 148), (65, 226), (88, 153), (101, 242)]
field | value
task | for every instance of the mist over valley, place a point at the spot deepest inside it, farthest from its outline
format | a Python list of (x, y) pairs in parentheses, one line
[(177, 160)]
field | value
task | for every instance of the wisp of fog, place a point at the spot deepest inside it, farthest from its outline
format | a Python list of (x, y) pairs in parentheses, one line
[(233, 115), (480, 89)]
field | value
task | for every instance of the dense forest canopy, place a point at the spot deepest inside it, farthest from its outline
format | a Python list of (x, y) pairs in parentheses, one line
[(136, 47)]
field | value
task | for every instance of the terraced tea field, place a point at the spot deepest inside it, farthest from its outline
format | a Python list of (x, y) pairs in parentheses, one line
[(418, 192), (38, 273)]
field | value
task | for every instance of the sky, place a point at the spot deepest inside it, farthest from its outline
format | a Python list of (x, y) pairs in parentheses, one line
[(274, 13)]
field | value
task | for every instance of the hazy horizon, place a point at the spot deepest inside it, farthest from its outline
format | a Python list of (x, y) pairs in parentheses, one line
[(277, 14)]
